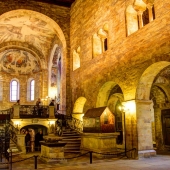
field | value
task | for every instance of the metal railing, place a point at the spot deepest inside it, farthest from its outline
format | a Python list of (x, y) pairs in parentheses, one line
[(69, 121), (5, 115), (75, 124), (32, 111)]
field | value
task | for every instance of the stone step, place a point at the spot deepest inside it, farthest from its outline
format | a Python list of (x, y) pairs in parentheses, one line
[(70, 134), (72, 148), (71, 137), (73, 143), (16, 153), (71, 151)]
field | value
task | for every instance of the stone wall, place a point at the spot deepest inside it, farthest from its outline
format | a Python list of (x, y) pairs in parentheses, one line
[(126, 58), (123, 63), (23, 80)]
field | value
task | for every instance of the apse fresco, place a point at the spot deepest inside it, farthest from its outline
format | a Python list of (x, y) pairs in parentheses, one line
[(18, 61), (27, 28), (56, 68), (54, 77)]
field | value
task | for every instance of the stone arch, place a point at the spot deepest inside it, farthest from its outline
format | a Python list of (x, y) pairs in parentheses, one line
[(147, 78), (165, 88), (22, 45), (76, 58), (131, 20), (113, 100), (54, 67), (104, 93), (79, 105), (33, 126)]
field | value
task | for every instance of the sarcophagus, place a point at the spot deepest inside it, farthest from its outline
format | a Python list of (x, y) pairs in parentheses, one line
[(99, 120)]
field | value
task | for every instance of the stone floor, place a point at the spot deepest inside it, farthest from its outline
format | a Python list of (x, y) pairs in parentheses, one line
[(160, 162)]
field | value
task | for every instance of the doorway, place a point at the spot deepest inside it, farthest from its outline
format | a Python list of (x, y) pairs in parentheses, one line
[(166, 126)]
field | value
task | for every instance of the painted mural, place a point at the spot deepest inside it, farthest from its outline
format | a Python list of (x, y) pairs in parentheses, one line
[(56, 68), (27, 28), (18, 62), (54, 77)]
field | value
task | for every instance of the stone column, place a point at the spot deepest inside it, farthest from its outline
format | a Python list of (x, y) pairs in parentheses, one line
[(150, 6), (140, 19), (16, 111), (21, 142), (144, 128), (51, 112), (130, 128), (158, 128)]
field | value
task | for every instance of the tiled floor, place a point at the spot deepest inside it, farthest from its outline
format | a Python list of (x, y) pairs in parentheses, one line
[(160, 162)]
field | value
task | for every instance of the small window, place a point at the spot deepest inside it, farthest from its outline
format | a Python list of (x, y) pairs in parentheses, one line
[(145, 17), (105, 44), (14, 90), (32, 90)]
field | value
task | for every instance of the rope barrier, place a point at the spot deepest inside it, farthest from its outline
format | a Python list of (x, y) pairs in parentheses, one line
[(114, 153), (18, 160), (23, 159), (65, 158), (36, 156)]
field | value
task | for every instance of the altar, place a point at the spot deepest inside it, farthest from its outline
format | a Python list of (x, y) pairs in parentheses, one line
[(52, 152)]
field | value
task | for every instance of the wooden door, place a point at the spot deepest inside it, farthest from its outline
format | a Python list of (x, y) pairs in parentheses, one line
[(166, 126)]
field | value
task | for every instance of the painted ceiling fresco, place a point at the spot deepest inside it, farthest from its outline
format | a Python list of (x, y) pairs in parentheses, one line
[(23, 26), (18, 62)]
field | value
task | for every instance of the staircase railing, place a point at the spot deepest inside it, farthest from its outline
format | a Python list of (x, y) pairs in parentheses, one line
[(5, 115), (9, 132), (69, 121), (75, 124), (13, 132)]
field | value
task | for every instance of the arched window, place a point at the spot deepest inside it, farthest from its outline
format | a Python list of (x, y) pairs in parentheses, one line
[(76, 58), (14, 90), (32, 90)]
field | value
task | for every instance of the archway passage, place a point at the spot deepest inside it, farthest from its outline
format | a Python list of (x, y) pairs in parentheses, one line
[(111, 95), (151, 96), (160, 94), (36, 133), (147, 78)]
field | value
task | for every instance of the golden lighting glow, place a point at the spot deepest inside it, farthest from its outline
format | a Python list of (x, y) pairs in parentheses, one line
[(52, 92), (130, 106), (51, 122), (17, 124)]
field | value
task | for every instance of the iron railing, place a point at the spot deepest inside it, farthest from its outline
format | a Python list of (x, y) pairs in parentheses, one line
[(32, 111), (5, 115), (74, 123)]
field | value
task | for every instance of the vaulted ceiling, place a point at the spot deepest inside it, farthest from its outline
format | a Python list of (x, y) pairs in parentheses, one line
[(26, 40)]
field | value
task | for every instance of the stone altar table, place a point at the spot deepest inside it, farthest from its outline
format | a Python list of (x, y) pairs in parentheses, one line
[(52, 152)]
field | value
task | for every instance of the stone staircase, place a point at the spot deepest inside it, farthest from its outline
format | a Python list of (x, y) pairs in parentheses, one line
[(12, 146), (73, 140)]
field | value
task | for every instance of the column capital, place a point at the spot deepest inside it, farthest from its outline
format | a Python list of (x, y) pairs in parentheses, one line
[(149, 5), (146, 102)]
